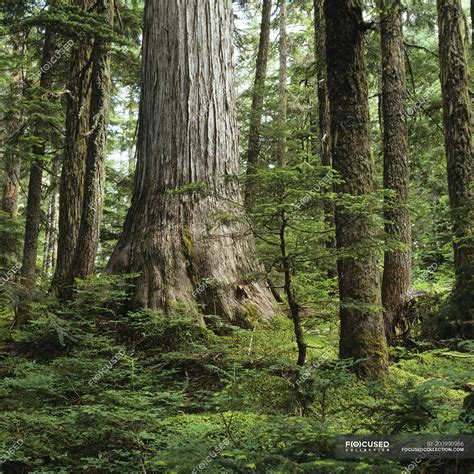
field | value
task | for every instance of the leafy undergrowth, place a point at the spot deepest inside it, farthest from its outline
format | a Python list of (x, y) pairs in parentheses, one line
[(86, 389)]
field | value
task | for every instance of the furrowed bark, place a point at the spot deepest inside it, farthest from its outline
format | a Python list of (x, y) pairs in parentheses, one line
[(459, 155), (396, 281), (51, 232), (362, 332), (324, 119), (88, 239), (33, 206), (178, 232), (74, 159)]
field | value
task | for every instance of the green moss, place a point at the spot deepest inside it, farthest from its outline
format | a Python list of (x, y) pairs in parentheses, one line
[(250, 316), (373, 351)]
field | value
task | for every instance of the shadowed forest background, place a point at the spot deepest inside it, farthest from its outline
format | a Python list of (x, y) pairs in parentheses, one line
[(230, 231)]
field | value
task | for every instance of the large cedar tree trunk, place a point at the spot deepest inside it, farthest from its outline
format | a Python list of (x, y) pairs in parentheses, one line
[(256, 111), (397, 264), (74, 159), (88, 239), (176, 234), (459, 155), (362, 331)]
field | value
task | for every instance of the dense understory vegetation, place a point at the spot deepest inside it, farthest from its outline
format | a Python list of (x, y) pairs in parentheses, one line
[(89, 385), (90, 389)]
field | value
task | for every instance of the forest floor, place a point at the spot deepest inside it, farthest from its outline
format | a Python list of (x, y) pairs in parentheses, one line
[(85, 389)]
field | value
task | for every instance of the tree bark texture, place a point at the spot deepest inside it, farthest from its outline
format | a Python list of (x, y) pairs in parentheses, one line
[(362, 331), (396, 281), (33, 206), (458, 143), (258, 95), (324, 119), (175, 233), (88, 239), (12, 166), (51, 231), (75, 156)]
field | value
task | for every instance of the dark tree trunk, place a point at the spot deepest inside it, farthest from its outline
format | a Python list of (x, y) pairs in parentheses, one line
[(397, 264), (472, 24), (253, 152), (74, 160), (51, 232), (11, 183), (33, 206), (458, 140), (88, 240), (12, 161), (362, 331), (290, 292), (175, 233), (324, 119), (282, 88)]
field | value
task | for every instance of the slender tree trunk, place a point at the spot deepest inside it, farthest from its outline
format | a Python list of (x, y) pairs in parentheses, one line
[(33, 206), (88, 240), (50, 239), (397, 264), (459, 154), (74, 160), (11, 184), (324, 119), (258, 93), (282, 88), (175, 234), (362, 331), (12, 161), (290, 292), (472, 25)]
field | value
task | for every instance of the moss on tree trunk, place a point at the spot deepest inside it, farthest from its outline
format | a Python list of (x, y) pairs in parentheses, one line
[(362, 332), (459, 155)]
